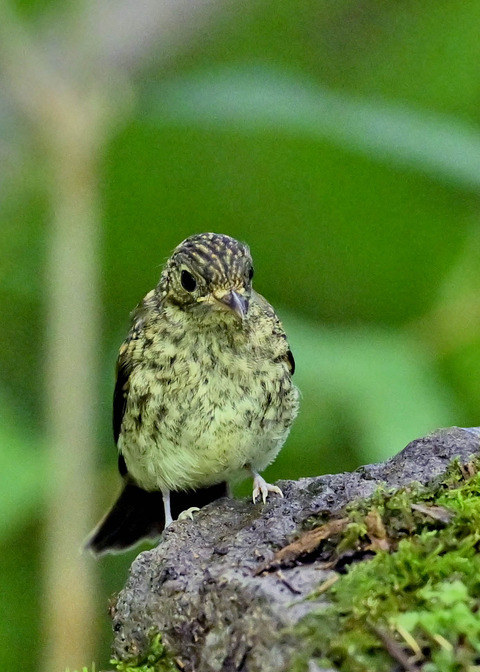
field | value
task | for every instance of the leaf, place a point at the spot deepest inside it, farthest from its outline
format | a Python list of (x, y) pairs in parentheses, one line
[(376, 532), (258, 99), (307, 543), (439, 513), (383, 383)]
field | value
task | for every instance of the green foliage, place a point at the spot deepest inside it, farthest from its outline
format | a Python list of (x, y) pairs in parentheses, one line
[(421, 600), (24, 469), (357, 365), (252, 99), (156, 659)]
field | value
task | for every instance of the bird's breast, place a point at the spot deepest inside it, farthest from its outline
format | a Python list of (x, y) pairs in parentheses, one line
[(203, 408)]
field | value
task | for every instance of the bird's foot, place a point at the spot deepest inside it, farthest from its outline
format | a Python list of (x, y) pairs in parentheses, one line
[(188, 513), (261, 487)]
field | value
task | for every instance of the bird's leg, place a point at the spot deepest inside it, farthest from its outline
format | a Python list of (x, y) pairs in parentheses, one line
[(166, 507), (261, 487)]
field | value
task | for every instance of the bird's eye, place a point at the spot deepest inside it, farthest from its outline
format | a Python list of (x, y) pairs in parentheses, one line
[(188, 281), (250, 273)]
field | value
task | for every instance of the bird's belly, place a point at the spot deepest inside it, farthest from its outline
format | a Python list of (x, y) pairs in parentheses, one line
[(205, 430)]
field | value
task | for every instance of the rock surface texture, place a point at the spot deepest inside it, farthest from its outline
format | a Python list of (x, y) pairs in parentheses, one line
[(198, 587)]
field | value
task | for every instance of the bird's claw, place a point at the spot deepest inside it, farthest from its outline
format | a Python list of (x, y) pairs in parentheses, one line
[(188, 513), (261, 487)]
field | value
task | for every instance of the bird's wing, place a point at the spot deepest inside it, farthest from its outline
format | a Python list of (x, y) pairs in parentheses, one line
[(124, 368), (120, 395), (278, 329)]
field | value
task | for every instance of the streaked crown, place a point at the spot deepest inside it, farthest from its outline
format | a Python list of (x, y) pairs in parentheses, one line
[(204, 264)]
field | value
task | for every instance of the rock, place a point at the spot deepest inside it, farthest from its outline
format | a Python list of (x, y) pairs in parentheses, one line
[(198, 586)]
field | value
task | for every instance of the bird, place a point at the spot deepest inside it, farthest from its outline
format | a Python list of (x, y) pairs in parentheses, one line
[(203, 394)]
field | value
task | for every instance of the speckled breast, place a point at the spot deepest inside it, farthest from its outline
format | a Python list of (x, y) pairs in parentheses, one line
[(203, 416)]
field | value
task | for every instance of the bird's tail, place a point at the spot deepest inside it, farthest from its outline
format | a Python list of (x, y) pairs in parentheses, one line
[(138, 514)]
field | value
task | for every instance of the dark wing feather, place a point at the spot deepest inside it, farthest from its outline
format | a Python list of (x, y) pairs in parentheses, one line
[(124, 369), (122, 466), (291, 362), (120, 394)]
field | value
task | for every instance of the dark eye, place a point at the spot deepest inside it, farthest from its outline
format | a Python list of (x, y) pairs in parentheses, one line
[(250, 273), (188, 281)]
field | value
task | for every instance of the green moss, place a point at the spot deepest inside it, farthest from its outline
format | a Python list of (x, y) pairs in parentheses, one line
[(157, 659), (419, 601)]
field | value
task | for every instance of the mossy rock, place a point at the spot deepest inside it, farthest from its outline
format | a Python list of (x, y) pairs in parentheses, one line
[(371, 571)]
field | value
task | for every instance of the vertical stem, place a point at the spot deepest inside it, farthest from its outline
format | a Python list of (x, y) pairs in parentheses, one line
[(73, 338)]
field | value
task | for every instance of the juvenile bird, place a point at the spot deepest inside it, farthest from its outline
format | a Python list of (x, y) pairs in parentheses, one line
[(203, 392)]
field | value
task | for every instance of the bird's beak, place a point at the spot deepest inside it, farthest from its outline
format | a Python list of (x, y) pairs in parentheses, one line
[(234, 301)]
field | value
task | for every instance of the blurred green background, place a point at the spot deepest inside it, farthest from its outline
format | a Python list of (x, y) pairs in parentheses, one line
[(340, 140)]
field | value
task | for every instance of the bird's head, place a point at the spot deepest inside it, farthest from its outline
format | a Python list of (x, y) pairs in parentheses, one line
[(209, 272)]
